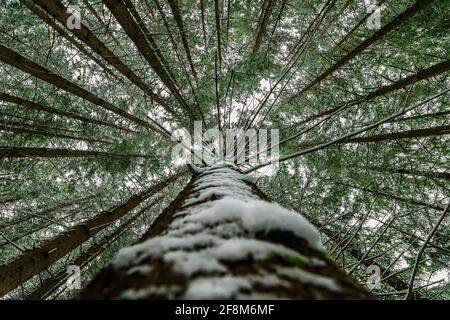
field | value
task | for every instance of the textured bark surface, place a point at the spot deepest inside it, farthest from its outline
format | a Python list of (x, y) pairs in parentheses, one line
[(262, 26), (221, 238)]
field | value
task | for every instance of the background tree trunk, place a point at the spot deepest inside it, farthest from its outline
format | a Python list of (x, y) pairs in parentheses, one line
[(33, 261), (219, 239)]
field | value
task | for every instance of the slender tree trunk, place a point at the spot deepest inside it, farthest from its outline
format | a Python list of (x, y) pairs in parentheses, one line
[(422, 116), (397, 21), (417, 133), (31, 262), (264, 21), (409, 134), (179, 20), (9, 127), (40, 107), (134, 12), (274, 28), (41, 14), (46, 286), (57, 10), (25, 152), (141, 40), (357, 25), (48, 211), (202, 10), (221, 238), (20, 62), (219, 41), (424, 74)]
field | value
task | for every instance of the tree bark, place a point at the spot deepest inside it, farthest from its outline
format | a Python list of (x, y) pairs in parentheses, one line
[(219, 41), (222, 239), (262, 26), (31, 262)]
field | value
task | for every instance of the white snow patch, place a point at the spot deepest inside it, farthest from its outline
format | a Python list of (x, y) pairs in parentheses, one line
[(207, 260), (217, 288), (143, 269), (189, 263), (258, 216), (156, 246)]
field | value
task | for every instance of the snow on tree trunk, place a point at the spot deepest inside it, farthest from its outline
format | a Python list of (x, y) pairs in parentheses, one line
[(222, 239)]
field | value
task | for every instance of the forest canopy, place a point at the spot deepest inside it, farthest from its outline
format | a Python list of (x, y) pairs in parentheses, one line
[(91, 93)]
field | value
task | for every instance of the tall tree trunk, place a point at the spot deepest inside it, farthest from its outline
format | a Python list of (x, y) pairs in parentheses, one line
[(417, 133), (409, 134), (142, 42), (50, 283), (262, 26), (219, 42), (393, 24), (179, 20), (20, 62), (424, 74), (202, 10), (422, 116), (57, 10), (11, 127), (31, 262), (40, 107), (25, 152), (221, 238)]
